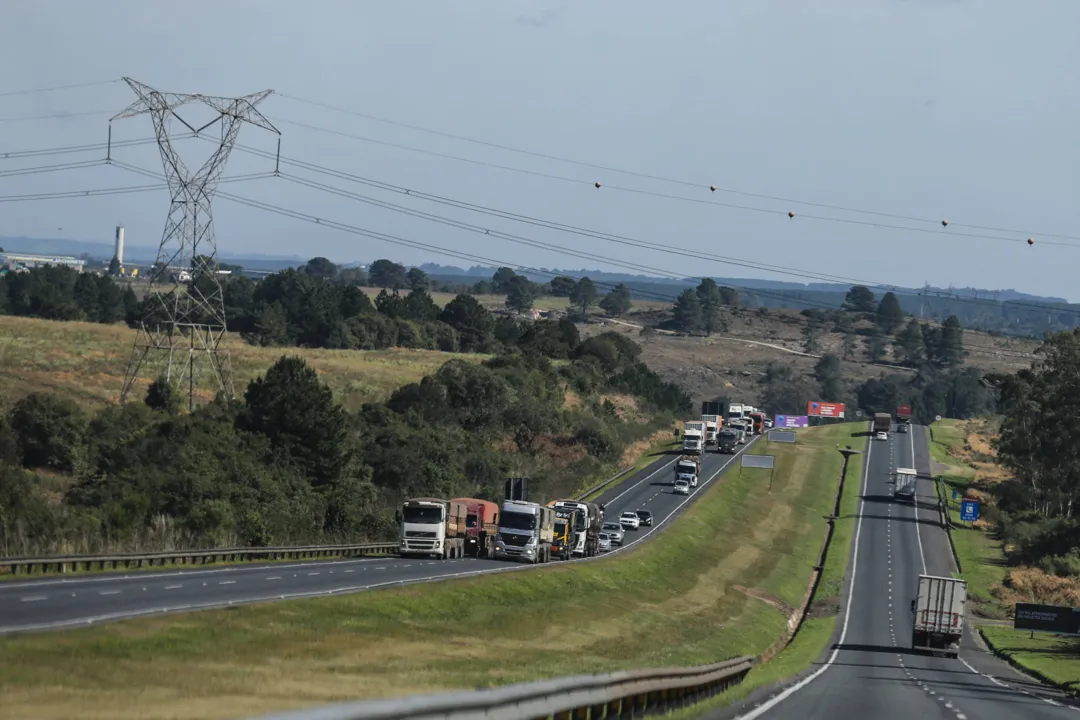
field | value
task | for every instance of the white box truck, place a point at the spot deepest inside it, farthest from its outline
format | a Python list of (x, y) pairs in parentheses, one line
[(712, 426), (694, 438), (939, 609), (904, 489)]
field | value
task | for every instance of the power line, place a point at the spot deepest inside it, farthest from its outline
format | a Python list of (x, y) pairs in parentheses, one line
[(648, 294), (682, 198), (652, 176), (51, 168), (620, 239), (397, 240), (56, 116), (91, 147), (34, 91), (66, 194)]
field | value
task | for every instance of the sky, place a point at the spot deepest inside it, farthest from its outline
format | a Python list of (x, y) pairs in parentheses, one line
[(920, 110)]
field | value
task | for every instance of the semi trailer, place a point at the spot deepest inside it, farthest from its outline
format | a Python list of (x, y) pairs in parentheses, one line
[(939, 608), (432, 527)]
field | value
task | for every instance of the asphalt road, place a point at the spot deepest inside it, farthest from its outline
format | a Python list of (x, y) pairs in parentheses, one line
[(871, 672), (51, 604)]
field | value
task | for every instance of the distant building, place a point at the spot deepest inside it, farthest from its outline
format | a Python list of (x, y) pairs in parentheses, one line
[(15, 261)]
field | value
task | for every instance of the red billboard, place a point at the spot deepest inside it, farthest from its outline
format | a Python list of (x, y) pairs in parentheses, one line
[(823, 409), (903, 411)]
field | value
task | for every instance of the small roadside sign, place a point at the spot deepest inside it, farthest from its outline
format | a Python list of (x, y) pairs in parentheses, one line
[(955, 494), (969, 510)]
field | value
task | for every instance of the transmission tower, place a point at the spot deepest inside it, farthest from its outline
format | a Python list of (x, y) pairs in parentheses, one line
[(184, 325)]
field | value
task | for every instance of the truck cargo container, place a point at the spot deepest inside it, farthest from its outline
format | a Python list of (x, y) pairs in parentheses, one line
[(905, 484), (481, 526), (882, 422), (757, 420), (939, 609), (526, 531), (712, 426), (586, 527), (434, 527), (734, 412), (694, 437)]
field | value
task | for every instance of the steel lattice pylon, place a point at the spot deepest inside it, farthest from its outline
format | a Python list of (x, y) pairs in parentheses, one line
[(184, 323)]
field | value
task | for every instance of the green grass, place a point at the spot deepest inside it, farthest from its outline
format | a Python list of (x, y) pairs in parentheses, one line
[(87, 361), (813, 636), (980, 553), (1053, 659), (707, 588)]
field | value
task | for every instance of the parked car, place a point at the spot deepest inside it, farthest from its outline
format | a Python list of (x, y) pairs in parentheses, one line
[(681, 487), (645, 517), (605, 542), (615, 531), (629, 519)]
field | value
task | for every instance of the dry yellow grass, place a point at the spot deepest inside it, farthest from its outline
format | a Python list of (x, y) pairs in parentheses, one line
[(1031, 585), (86, 362)]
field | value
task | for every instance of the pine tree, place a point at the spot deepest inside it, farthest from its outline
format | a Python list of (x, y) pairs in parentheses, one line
[(617, 302), (890, 315), (688, 312)]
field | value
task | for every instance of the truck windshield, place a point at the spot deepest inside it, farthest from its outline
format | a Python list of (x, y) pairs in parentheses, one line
[(517, 521), (424, 515), (470, 521), (560, 529)]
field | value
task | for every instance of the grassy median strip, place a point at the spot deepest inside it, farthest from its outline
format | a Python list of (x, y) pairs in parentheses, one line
[(1054, 659), (814, 635), (718, 583)]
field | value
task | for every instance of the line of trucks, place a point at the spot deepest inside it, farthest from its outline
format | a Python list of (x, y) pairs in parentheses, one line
[(725, 430), (517, 530)]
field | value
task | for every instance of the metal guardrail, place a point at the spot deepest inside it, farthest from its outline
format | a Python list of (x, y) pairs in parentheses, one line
[(62, 563), (632, 693)]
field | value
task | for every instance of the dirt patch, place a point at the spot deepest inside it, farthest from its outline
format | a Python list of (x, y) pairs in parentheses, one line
[(823, 608), (767, 599)]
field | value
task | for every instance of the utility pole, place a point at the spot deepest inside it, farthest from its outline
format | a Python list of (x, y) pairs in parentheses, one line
[(184, 324)]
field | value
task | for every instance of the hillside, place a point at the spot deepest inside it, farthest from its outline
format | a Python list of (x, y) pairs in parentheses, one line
[(86, 362), (731, 363)]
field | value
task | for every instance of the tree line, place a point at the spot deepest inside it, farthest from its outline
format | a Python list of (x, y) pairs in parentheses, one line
[(287, 464), (1036, 509)]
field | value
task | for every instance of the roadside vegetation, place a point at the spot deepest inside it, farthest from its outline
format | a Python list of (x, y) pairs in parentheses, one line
[(1023, 468), (288, 464), (720, 582)]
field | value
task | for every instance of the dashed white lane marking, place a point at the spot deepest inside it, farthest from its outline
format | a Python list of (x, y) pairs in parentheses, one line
[(350, 570), (274, 577), (312, 573), (109, 592), (33, 598), (173, 587), (227, 582)]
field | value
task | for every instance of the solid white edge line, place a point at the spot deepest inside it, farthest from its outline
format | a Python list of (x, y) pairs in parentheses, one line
[(918, 532), (773, 702)]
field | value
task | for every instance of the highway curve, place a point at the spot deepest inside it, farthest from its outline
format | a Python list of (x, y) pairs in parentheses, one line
[(872, 672), (51, 604)]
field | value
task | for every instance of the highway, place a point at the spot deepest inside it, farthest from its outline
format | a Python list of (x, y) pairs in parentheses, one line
[(52, 604), (871, 672)]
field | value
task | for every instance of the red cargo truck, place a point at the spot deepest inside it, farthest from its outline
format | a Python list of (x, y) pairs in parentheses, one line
[(481, 525)]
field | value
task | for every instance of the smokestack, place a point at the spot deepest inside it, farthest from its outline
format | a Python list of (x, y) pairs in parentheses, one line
[(120, 244)]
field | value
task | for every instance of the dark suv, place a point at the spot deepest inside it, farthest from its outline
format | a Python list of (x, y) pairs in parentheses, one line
[(645, 517)]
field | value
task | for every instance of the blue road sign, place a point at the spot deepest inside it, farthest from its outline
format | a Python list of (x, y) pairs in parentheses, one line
[(969, 510)]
